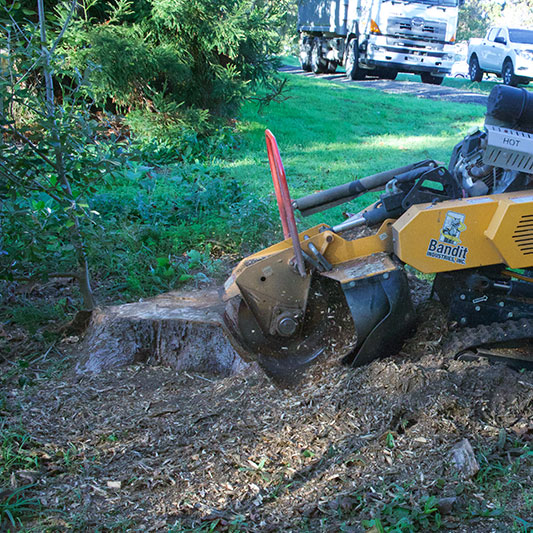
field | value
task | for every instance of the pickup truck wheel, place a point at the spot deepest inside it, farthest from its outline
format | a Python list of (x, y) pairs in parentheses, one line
[(429, 78), (476, 74), (508, 74), (319, 65), (353, 70), (305, 53)]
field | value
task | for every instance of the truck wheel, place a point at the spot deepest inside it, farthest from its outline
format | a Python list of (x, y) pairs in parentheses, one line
[(319, 65), (305, 53), (353, 70), (476, 74), (429, 78), (508, 74)]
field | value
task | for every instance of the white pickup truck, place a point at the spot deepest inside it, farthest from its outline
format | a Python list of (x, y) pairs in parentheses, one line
[(506, 52)]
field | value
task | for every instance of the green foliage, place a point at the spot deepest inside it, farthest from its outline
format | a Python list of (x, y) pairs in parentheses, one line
[(474, 19), (151, 195), (514, 13), (31, 316), (16, 506), (196, 54), (154, 199), (167, 226), (235, 524), (50, 156), (403, 515), (476, 16), (15, 452)]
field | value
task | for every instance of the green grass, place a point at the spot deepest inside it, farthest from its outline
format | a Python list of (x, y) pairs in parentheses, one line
[(15, 508), (15, 454), (31, 316), (330, 133)]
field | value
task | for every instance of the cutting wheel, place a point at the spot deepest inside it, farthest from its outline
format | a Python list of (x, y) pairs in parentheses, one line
[(326, 330)]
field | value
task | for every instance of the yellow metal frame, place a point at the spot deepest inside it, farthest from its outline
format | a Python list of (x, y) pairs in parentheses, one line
[(442, 237), (333, 247)]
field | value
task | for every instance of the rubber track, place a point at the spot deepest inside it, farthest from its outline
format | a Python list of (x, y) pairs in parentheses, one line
[(467, 338)]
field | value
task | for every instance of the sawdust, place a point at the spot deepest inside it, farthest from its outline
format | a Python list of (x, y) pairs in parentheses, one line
[(149, 449)]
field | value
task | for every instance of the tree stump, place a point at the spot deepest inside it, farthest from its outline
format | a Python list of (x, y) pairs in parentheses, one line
[(180, 330)]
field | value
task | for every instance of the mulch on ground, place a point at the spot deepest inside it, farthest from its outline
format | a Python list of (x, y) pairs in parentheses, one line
[(144, 448)]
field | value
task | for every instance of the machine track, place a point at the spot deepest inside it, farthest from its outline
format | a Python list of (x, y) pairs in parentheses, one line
[(485, 341)]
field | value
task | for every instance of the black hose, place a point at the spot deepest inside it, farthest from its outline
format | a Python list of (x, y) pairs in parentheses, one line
[(511, 105), (320, 201)]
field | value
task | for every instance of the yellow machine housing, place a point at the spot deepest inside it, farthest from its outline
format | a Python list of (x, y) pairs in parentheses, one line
[(467, 233)]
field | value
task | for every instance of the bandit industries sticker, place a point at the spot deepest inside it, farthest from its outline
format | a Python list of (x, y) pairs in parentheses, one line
[(448, 247)]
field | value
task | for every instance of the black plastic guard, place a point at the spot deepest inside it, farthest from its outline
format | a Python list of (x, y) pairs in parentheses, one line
[(383, 315)]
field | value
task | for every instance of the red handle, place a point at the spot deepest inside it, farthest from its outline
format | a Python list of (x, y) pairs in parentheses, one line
[(286, 212)]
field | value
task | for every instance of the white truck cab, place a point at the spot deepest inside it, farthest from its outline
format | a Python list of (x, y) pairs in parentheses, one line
[(413, 36), (506, 52)]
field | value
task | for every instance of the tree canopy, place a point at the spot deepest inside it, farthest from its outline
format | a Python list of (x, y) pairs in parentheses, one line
[(476, 16)]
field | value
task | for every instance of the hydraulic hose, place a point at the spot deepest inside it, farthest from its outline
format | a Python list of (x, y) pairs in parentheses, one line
[(320, 201)]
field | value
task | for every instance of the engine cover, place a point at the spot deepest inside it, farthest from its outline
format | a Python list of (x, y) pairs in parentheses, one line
[(509, 149)]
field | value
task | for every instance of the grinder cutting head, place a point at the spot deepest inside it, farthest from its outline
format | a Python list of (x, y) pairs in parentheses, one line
[(348, 299), (357, 311), (317, 294)]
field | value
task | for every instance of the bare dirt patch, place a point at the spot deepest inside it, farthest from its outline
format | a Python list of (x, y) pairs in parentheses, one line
[(148, 449)]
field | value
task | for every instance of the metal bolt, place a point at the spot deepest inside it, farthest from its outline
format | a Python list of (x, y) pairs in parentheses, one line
[(463, 297), (510, 315), (351, 285), (463, 321), (477, 308), (329, 238), (501, 304), (386, 275), (287, 326)]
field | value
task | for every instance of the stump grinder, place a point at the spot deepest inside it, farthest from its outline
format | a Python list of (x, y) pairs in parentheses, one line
[(323, 293)]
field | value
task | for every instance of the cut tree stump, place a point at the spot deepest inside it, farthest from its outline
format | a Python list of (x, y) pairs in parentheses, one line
[(176, 329)]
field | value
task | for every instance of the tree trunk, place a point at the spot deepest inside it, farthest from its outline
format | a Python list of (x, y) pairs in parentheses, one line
[(78, 240), (181, 330)]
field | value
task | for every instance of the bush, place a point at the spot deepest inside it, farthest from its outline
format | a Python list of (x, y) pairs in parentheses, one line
[(146, 208), (167, 226), (199, 54)]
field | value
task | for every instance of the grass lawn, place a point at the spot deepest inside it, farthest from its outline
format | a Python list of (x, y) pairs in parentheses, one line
[(330, 134)]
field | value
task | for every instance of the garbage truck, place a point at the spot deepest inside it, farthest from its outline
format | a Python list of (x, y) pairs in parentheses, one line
[(379, 37)]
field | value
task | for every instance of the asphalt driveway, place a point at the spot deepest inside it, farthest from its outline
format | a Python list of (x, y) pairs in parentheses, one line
[(419, 89)]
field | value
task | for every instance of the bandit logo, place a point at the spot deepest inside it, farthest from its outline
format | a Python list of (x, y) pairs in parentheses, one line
[(448, 247), (451, 229)]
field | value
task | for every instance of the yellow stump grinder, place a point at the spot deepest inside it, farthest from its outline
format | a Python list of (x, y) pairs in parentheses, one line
[(321, 293)]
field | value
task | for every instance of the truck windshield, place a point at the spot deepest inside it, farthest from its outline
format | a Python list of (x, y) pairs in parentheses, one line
[(521, 36)]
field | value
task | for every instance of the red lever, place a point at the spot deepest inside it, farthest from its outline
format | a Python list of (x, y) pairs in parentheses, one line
[(286, 211)]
